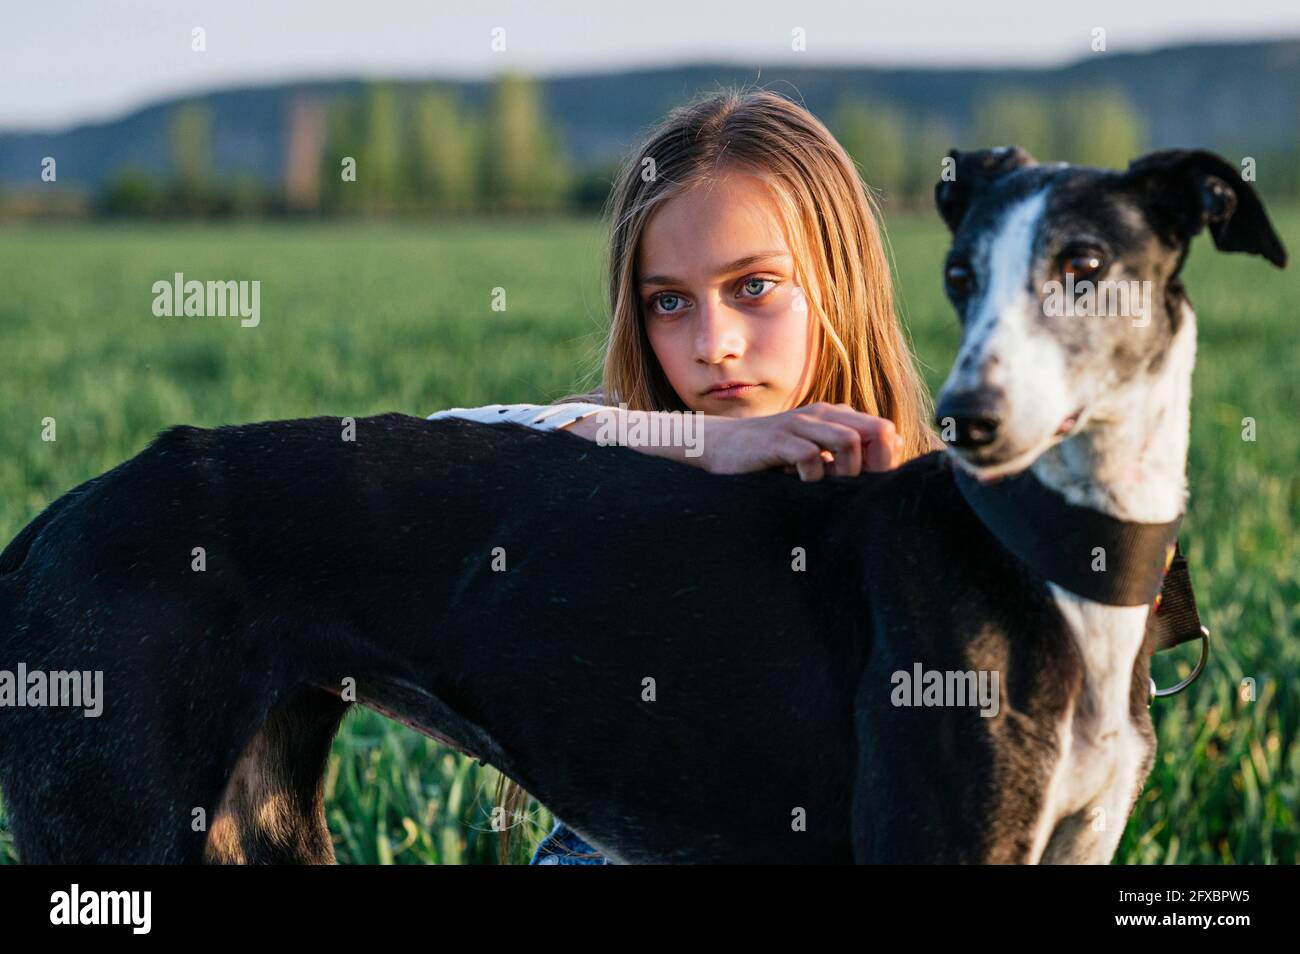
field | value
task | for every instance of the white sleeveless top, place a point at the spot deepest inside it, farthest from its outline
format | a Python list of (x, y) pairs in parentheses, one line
[(543, 417)]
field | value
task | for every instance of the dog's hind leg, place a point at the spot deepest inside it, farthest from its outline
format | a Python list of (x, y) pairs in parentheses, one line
[(273, 807)]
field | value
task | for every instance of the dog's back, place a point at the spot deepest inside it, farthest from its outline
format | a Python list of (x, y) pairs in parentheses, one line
[(679, 664)]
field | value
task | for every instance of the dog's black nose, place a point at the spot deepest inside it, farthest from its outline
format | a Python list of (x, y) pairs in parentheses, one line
[(969, 419)]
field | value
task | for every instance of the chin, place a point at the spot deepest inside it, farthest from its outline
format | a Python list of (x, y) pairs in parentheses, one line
[(737, 409), (993, 468)]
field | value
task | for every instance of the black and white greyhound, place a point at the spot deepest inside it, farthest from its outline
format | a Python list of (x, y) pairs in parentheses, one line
[(685, 667)]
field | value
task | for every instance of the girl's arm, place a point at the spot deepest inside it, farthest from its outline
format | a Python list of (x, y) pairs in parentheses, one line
[(813, 440)]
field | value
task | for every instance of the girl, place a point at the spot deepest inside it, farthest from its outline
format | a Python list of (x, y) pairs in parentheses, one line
[(747, 283)]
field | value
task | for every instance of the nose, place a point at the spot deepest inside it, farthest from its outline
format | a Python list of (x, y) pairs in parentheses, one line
[(969, 419), (718, 334)]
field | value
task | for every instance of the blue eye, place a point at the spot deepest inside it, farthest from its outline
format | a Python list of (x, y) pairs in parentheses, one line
[(660, 299), (758, 281)]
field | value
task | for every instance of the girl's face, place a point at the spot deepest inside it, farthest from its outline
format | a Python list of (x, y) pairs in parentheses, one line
[(720, 303)]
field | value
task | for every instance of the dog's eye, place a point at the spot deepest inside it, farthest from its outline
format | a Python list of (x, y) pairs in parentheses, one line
[(958, 279), (1083, 264)]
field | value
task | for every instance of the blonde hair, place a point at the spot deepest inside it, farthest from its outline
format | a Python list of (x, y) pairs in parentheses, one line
[(830, 221)]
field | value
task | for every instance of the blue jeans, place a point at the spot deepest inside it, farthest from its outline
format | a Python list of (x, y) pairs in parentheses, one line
[(563, 847)]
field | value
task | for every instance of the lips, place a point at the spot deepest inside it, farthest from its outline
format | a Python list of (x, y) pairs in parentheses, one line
[(730, 389), (1069, 423)]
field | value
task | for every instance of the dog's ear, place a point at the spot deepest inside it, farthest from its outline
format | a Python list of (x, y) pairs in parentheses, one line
[(968, 172), (1186, 190)]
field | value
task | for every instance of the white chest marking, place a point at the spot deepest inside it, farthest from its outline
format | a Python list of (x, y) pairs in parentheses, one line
[(1102, 751)]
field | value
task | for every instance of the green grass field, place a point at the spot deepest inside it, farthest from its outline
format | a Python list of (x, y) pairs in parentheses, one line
[(359, 319)]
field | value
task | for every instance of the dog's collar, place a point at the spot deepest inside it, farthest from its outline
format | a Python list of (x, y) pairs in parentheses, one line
[(1089, 553), (1095, 555)]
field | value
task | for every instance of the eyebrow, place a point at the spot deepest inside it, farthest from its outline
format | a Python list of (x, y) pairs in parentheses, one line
[(738, 265)]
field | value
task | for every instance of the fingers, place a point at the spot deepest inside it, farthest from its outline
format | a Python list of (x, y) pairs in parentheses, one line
[(804, 457), (844, 443), (791, 469), (821, 438), (880, 437), (882, 453), (878, 445), (812, 466)]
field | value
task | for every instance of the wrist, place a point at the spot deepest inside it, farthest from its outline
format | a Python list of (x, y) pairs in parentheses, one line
[(715, 432)]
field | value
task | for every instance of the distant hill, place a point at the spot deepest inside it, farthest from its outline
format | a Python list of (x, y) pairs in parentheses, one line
[(1228, 96)]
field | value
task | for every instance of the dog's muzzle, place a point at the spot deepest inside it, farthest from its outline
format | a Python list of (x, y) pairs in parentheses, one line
[(970, 420)]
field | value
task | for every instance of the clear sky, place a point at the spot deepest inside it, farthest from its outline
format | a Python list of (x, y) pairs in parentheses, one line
[(69, 61)]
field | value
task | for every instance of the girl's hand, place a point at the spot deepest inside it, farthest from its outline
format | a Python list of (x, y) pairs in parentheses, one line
[(812, 440)]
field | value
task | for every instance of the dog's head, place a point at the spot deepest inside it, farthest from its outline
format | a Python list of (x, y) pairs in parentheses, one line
[(1066, 283)]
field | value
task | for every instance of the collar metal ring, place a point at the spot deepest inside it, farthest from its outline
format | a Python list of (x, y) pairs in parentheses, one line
[(1154, 693)]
